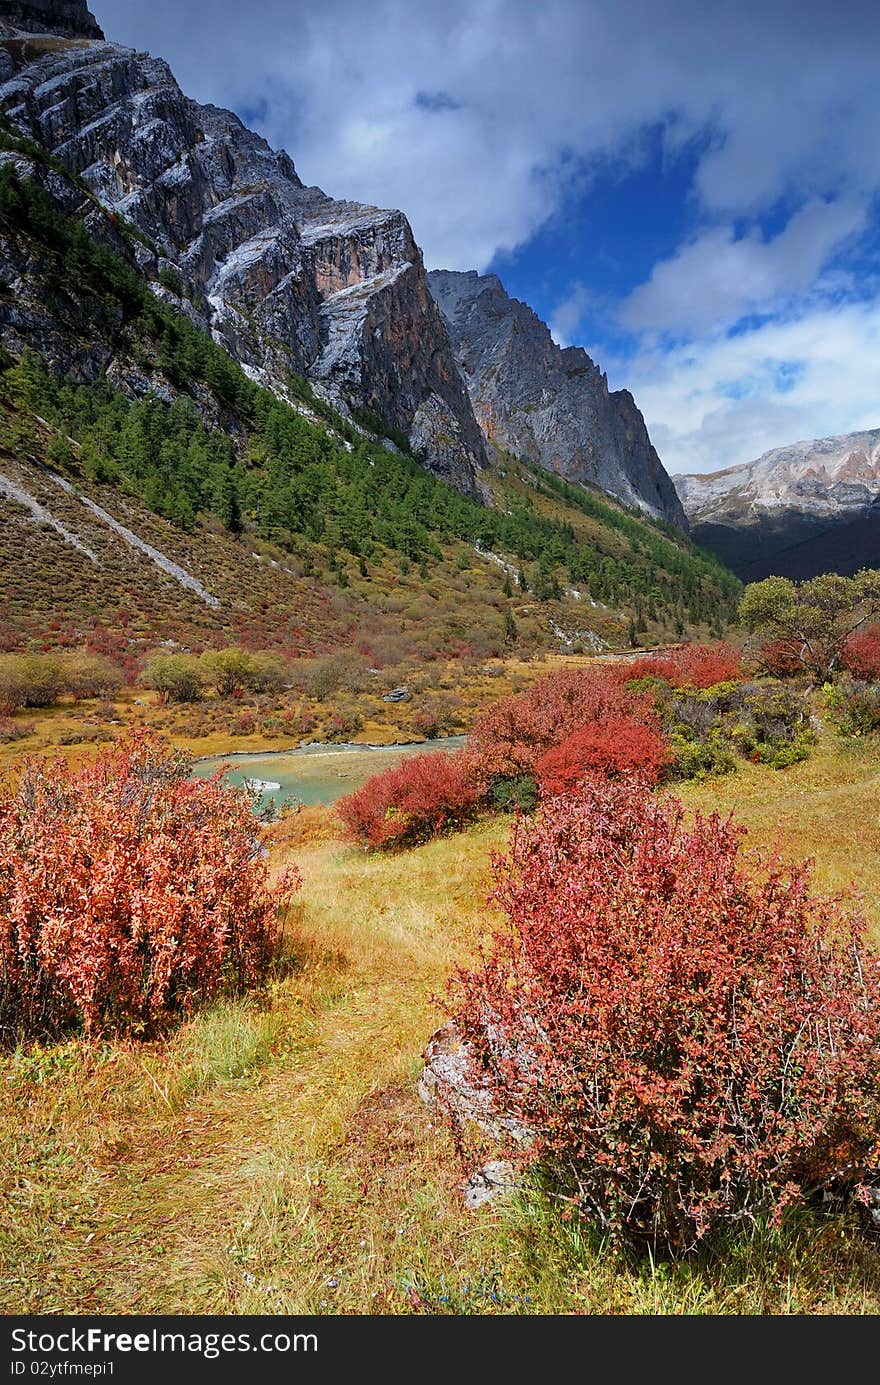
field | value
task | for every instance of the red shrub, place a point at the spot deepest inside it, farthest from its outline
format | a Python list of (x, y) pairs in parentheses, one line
[(862, 654), (613, 747), (411, 802), (511, 736), (691, 1038), (128, 892), (245, 724), (781, 658), (692, 666)]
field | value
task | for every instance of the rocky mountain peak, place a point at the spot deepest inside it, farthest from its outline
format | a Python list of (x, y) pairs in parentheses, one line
[(67, 18), (286, 278), (808, 507), (547, 403)]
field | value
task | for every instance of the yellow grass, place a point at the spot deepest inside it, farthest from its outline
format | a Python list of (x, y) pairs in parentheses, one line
[(826, 808), (275, 1157)]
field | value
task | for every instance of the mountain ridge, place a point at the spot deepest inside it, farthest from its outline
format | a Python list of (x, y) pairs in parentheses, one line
[(286, 278), (795, 510), (548, 403), (163, 273)]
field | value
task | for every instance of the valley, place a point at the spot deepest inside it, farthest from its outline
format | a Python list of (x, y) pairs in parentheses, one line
[(438, 848)]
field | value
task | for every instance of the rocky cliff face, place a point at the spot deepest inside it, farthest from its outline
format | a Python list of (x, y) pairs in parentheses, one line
[(69, 18), (546, 403), (797, 510), (286, 278)]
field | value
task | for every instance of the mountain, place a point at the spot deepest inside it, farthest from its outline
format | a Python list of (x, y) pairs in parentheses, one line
[(285, 277), (796, 511), (548, 403), (216, 420), (70, 18)]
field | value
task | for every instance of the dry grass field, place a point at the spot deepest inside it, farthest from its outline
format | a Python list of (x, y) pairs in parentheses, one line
[(273, 1155)]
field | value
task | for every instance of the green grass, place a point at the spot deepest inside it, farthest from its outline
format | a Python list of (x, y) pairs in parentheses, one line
[(273, 1156)]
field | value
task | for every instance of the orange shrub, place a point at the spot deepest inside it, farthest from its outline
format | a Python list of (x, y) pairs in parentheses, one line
[(692, 666), (510, 738), (861, 655), (129, 893), (781, 658)]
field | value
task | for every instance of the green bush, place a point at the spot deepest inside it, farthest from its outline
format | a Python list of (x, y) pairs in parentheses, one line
[(854, 706), (175, 677), (226, 670), (701, 759), (11, 685), (268, 672), (30, 680), (90, 675), (710, 729), (521, 793)]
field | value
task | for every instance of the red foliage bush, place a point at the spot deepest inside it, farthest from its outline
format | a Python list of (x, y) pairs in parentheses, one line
[(781, 658), (245, 724), (861, 657), (510, 738), (613, 747), (692, 666), (128, 892), (411, 802), (691, 1037)]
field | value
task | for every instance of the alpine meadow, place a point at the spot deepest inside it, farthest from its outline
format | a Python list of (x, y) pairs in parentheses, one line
[(439, 767)]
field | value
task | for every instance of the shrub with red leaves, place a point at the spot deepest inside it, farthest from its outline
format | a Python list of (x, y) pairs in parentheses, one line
[(510, 738), (781, 658), (861, 655), (692, 1037), (411, 802), (692, 666), (128, 893), (613, 747)]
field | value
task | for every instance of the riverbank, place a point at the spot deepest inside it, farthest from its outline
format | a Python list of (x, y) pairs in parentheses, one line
[(316, 773), (443, 699)]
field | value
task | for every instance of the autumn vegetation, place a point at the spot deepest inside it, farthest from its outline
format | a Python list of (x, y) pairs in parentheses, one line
[(688, 1037), (686, 1033), (129, 894), (418, 799), (372, 936), (812, 622), (686, 714)]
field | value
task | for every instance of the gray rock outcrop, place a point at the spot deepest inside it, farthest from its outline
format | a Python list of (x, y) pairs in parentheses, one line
[(286, 278), (547, 403), (825, 477), (68, 18)]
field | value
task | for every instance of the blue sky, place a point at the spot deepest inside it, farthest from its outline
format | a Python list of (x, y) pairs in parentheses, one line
[(687, 190)]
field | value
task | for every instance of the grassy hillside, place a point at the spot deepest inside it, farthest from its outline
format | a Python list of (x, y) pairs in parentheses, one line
[(274, 1157), (304, 530)]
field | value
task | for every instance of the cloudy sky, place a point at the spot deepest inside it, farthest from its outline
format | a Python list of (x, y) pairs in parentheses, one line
[(687, 189)]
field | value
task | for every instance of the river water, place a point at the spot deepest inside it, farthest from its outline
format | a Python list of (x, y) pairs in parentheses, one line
[(315, 773)]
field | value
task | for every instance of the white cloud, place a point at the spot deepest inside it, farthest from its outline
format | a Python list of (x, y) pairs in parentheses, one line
[(718, 277), (724, 399), (568, 315), (478, 117), (524, 95)]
